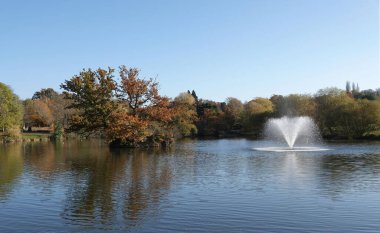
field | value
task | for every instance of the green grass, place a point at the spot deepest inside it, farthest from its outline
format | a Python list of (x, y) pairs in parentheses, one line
[(373, 134), (376, 133), (35, 135)]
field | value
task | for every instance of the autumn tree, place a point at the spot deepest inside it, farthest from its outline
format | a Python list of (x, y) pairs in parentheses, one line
[(129, 113), (37, 113), (126, 129), (57, 105), (142, 115), (92, 94)]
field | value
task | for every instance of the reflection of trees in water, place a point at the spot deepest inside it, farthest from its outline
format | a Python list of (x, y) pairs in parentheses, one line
[(106, 184), (47, 161), (147, 180), (44, 160), (90, 194), (343, 172), (11, 167), (101, 184)]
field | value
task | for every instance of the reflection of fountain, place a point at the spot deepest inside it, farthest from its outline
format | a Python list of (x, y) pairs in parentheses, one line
[(301, 129)]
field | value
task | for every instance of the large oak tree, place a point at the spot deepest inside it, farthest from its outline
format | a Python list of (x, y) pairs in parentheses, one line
[(129, 112)]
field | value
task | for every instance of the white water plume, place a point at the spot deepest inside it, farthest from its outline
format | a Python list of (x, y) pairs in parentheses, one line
[(292, 130)]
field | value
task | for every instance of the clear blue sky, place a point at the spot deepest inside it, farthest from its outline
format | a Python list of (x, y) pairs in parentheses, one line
[(239, 48)]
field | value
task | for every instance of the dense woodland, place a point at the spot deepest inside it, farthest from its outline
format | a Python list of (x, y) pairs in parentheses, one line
[(127, 110)]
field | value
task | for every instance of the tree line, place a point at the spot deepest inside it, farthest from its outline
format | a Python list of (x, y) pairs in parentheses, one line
[(128, 110)]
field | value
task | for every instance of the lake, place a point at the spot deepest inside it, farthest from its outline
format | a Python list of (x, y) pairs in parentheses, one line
[(196, 186)]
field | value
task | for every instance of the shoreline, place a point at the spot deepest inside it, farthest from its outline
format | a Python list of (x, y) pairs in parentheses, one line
[(49, 139)]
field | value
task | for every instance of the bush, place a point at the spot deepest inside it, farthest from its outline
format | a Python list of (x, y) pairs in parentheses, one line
[(12, 134)]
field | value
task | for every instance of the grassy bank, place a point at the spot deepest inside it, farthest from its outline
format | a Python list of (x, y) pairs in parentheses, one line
[(35, 136), (26, 137)]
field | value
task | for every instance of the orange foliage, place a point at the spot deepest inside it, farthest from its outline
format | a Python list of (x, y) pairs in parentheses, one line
[(127, 128), (37, 112), (130, 113)]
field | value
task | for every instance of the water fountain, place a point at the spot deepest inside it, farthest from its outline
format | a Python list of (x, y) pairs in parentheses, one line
[(291, 130)]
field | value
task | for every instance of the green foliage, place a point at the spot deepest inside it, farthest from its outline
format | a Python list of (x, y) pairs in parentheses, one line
[(195, 96), (10, 109), (258, 106), (211, 118), (256, 112), (348, 87), (186, 118), (11, 134), (340, 115), (91, 92), (330, 91), (58, 132), (367, 94), (48, 93), (294, 105), (233, 111), (367, 117)]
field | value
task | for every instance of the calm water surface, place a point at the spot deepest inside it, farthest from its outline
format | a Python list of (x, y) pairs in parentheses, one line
[(197, 186)]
